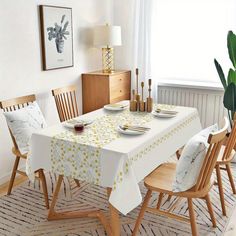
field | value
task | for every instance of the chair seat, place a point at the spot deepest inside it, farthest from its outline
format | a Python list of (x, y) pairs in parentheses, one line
[(162, 178), (220, 160), (17, 153)]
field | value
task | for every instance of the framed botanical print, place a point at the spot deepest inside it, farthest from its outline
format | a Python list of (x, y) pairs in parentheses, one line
[(57, 37)]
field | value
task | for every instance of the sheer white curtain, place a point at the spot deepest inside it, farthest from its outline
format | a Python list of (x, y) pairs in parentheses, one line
[(188, 35), (143, 15)]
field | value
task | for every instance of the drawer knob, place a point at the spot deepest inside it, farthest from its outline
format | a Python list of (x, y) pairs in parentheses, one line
[(120, 79), (120, 91)]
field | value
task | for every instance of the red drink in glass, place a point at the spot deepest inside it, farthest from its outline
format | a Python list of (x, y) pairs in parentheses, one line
[(79, 127)]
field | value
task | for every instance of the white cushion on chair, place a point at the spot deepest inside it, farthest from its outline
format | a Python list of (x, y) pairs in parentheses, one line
[(23, 122), (191, 160)]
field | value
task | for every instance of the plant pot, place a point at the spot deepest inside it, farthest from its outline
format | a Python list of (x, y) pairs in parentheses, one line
[(59, 45)]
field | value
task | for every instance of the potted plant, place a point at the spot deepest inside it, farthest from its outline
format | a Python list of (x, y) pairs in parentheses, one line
[(58, 32), (229, 83)]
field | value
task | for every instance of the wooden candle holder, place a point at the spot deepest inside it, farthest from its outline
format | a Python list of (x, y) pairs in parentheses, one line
[(137, 96), (133, 103), (149, 99), (137, 102), (149, 104), (142, 103), (142, 106)]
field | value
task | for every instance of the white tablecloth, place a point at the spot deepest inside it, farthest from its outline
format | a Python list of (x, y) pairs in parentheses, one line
[(121, 162)]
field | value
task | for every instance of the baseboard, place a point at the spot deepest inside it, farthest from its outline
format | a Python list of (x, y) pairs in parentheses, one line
[(5, 178)]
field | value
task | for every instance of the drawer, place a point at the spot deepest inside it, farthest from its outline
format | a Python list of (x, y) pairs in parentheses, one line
[(119, 91), (120, 80), (121, 98), (119, 86)]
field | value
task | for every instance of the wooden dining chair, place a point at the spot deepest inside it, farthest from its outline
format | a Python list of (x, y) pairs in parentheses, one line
[(223, 163), (67, 107), (161, 180), (66, 102), (12, 105)]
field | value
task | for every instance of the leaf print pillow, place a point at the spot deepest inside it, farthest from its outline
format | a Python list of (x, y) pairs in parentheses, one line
[(191, 160), (23, 123)]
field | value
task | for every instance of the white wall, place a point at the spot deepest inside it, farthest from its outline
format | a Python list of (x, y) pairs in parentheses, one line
[(20, 57)]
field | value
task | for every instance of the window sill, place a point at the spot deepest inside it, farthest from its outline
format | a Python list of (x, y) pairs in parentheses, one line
[(190, 84)]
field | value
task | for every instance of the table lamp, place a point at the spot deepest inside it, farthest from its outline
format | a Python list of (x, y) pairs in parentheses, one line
[(107, 36)]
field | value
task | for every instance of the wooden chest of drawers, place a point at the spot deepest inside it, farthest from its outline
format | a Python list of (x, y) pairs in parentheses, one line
[(100, 88)]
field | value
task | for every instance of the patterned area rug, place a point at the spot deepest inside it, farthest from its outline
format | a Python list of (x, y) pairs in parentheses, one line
[(23, 213)]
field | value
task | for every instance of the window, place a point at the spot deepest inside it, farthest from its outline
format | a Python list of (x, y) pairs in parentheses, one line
[(186, 37)]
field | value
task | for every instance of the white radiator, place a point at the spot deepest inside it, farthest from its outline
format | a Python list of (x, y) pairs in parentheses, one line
[(209, 102)]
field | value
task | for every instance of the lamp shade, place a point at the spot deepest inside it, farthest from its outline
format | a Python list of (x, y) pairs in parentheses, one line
[(107, 35)]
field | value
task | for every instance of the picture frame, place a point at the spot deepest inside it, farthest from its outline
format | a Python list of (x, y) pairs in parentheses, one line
[(56, 37)]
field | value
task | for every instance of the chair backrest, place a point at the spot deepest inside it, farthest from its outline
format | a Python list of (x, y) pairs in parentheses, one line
[(66, 102), (15, 104), (231, 141), (215, 141)]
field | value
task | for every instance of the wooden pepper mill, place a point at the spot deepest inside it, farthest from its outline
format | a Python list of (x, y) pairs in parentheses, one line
[(137, 96), (142, 103), (133, 102), (149, 99)]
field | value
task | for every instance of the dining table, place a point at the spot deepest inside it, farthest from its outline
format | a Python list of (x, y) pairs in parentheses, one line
[(103, 156)]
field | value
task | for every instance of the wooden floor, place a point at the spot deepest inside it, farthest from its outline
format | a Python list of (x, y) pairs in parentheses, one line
[(231, 229)]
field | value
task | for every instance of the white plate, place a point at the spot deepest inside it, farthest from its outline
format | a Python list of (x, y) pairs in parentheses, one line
[(129, 132), (70, 124), (171, 112), (163, 115), (113, 108)]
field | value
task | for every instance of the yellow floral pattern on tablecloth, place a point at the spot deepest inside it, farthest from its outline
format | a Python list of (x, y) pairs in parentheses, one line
[(78, 155), (156, 142)]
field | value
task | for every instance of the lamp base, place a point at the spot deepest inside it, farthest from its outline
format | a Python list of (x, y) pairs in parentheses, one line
[(108, 60), (108, 71)]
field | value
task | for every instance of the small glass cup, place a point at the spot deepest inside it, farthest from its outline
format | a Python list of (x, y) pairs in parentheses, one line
[(79, 127)]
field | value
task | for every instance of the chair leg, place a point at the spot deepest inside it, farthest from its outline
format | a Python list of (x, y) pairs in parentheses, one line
[(221, 190), (231, 180), (192, 217), (44, 185), (210, 209), (142, 211), (77, 182), (159, 200), (51, 211), (169, 198), (13, 175)]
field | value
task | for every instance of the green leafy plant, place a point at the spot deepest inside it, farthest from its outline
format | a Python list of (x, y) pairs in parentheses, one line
[(59, 32), (229, 83)]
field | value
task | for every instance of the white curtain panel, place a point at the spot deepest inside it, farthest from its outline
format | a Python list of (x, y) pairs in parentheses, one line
[(142, 50)]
